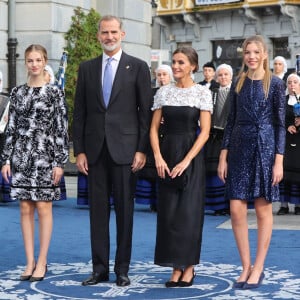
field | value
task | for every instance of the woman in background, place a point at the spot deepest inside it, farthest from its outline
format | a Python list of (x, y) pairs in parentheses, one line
[(49, 75), (34, 154), (215, 188), (290, 186), (280, 68)]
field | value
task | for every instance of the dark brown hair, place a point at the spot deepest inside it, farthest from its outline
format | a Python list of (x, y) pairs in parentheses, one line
[(191, 54)]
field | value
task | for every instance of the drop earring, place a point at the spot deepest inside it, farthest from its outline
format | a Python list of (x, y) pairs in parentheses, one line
[(192, 75)]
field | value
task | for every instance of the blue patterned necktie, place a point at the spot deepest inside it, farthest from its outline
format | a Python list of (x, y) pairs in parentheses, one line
[(107, 81)]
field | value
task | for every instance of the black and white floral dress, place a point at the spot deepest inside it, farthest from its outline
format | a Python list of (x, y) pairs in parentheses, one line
[(36, 141)]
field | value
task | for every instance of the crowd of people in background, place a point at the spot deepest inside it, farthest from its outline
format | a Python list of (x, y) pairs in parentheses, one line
[(290, 185), (222, 145)]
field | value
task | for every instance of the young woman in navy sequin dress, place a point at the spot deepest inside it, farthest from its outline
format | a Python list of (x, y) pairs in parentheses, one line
[(251, 159)]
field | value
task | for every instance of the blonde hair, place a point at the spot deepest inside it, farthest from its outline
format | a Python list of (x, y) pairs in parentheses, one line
[(259, 41)]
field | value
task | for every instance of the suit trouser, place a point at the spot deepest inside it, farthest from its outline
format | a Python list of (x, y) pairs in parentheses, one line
[(103, 177)]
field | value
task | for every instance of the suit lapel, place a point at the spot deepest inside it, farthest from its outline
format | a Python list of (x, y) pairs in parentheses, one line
[(98, 73), (95, 78), (123, 68)]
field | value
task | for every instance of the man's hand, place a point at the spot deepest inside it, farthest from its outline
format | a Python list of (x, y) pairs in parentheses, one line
[(82, 163), (139, 161)]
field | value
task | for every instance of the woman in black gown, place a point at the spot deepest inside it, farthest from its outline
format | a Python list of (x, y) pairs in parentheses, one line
[(251, 159), (180, 166)]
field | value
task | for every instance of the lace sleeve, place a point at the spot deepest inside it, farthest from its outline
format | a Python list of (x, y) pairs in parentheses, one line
[(158, 98), (205, 99), (196, 96)]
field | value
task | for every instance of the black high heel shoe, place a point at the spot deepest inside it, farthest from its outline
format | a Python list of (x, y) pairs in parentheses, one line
[(33, 279), (182, 283), (248, 286), (171, 283), (240, 284), (26, 277)]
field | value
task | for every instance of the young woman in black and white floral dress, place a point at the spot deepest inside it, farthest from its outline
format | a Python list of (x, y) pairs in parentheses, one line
[(34, 154)]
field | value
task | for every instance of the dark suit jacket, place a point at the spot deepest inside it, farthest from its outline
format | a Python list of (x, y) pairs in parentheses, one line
[(125, 123), (213, 84)]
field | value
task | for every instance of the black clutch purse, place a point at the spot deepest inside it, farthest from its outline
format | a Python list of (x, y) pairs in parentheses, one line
[(179, 182)]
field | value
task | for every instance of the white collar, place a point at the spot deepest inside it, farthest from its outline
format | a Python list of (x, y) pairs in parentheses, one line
[(292, 100), (116, 57), (222, 88)]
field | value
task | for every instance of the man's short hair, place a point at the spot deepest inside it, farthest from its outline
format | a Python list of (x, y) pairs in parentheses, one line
[(209, 65)]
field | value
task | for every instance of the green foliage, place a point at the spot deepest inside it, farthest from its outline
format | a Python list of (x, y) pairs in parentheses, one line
[(82, 44)]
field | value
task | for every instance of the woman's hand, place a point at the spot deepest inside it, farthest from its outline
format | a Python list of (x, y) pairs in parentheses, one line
[(223, 166), (292, 129), (277, 174), (6, 172), (179, 168), (277, 169), (161, 167), (57, 175)]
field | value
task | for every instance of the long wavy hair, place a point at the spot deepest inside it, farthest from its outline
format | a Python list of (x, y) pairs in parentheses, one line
[(259, 41)]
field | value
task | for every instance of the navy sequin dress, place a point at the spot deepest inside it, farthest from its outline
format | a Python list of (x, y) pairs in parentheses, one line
[(254, 134), (36, 141)]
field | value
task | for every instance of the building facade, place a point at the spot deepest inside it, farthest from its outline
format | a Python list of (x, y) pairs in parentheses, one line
[(45, 22), (217, 28)]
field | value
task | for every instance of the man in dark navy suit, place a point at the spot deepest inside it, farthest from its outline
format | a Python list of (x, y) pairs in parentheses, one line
[(110, 138)]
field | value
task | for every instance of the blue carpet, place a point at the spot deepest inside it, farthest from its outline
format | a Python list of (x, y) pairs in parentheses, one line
[(69, 261)]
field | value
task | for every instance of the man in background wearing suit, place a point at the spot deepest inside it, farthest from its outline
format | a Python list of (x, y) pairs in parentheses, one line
[(110, 138), (209, 72)]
